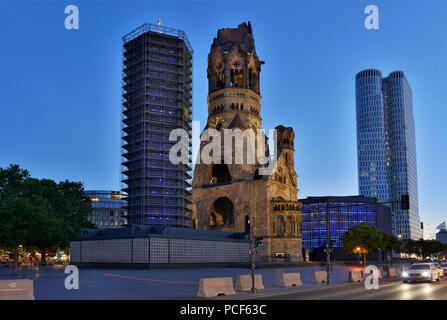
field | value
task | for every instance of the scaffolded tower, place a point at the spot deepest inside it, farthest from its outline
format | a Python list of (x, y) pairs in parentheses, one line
[(157, 98)]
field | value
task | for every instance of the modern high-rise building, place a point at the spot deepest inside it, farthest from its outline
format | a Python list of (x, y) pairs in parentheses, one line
[(428, 232), (386, 145), (157, 98)]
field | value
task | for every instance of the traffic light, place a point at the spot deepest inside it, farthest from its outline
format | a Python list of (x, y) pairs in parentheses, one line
[(331, 244), (405, 202), (258, 242)]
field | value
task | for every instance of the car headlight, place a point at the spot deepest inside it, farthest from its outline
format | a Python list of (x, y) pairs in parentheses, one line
[(425, 274), (404, 274)]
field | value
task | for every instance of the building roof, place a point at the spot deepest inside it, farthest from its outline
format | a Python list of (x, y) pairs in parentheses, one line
[(229, 37), (161, 30), (164, 231), (102, 191), (357, 199)]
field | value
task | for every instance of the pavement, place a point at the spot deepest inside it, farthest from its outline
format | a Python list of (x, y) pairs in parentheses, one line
[(141, 284)]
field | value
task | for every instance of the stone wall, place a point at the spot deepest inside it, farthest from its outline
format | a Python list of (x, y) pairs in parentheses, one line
[(159, 250)]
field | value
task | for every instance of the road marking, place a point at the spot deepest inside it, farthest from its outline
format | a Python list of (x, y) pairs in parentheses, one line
[(150, 280), (354, 285), (298, 291)]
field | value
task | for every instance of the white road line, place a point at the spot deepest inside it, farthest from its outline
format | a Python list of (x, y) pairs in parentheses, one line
[(311, 290), (298, 291)]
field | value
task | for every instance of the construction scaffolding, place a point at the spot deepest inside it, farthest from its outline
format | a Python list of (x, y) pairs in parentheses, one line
[(156, 99)]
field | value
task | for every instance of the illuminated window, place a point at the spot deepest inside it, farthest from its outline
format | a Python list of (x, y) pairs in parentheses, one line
[(236, 79), (219, 77)]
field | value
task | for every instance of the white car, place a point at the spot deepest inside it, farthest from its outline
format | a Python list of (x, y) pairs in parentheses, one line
[(421, 272), (444, 267)]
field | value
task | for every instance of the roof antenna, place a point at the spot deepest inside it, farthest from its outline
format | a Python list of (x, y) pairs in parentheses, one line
[(158, 24)]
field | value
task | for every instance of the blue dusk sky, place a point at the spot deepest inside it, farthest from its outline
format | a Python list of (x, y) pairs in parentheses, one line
[(60, 89)]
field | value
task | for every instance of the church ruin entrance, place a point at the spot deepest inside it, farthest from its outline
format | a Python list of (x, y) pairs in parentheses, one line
[(222, 213)]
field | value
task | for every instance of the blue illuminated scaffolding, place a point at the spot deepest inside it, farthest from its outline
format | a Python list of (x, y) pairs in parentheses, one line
[(157, 98)]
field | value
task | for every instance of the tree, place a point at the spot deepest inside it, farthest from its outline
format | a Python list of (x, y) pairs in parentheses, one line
[(65, 212), (15, 212), (75, 210), (428, 247), (390, 244), (423, 248), (40, 213), (363, 236), (409, 246)]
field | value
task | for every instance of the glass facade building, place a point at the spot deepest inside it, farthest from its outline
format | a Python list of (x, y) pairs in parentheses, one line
[(386, 145), (442, 236), (157, 98), (108, 208), (342, 213)]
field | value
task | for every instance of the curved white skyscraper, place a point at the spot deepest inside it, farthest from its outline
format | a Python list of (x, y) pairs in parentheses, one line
[(386, 145)]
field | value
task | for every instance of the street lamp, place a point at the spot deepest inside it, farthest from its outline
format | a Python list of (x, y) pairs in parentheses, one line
[(358, 252)]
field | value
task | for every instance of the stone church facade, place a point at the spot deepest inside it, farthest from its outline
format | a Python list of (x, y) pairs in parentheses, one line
[(234, 197)]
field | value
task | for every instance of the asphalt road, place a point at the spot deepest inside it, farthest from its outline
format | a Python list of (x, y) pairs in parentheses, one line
[(388, 290), (142, 284)]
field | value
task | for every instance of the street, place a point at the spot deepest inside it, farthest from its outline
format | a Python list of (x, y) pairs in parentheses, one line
[(140, 284), (388, 290)]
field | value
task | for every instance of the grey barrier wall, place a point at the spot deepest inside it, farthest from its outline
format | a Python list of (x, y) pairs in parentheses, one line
[(159, 250)]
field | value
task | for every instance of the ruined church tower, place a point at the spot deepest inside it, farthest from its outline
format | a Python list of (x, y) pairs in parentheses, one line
[(234, 197)]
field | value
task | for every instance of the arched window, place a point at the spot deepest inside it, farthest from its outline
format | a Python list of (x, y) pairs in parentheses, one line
[(250, 79), (280, 225), (222, 212), (289, 226), (236, 79), (221, 172), (220, 77)]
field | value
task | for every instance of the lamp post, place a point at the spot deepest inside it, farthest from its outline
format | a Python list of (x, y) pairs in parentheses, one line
[(358, 257), (253, 262)]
